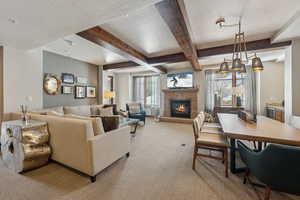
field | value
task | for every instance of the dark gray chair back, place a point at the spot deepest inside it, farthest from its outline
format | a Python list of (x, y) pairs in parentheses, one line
[(277, 166)]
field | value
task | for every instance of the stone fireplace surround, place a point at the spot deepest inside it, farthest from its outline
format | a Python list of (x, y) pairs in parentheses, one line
[(179, 94)]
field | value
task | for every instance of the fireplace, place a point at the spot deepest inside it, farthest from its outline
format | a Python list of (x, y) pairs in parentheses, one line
[(180, 108)]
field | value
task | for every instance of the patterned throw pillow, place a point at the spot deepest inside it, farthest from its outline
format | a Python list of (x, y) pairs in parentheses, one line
[(106, 111), (209, 118), (134, 108)]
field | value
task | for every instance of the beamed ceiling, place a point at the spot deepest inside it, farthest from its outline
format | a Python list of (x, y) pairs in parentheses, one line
[(170, 31)]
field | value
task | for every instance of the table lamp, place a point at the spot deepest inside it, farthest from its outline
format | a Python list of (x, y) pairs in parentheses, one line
[(109, 95)]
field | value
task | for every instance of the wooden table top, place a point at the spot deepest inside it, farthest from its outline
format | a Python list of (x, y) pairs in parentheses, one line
[(265, 130)]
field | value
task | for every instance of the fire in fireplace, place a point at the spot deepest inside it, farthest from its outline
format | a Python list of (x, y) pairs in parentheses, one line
[(181, 108)]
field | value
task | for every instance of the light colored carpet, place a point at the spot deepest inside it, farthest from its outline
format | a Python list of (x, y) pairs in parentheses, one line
[(159, 168)]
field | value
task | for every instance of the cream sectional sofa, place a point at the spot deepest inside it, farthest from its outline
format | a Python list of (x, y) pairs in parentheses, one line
[(75, 144)]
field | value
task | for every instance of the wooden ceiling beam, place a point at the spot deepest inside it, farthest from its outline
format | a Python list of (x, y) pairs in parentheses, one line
[(251, 46), (110, 42), (219, 50), (174, 14)]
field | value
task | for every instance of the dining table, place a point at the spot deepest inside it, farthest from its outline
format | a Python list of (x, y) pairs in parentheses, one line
[(263, 130)]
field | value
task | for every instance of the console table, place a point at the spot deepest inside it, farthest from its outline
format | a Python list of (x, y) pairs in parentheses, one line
[(24, 146)]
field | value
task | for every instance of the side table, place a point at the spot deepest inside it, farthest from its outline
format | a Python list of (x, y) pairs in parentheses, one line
[(24, 146)]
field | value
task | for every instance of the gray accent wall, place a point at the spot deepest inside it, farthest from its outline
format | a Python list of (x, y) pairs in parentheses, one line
[(1, 84), (57, 64)]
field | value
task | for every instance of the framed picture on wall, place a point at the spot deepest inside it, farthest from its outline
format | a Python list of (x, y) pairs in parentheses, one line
[(82, 80), (80, 92), (91, 92), (67, 78), (65, 89)]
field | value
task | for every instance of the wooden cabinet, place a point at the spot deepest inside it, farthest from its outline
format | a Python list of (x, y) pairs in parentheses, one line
[(275, 112)]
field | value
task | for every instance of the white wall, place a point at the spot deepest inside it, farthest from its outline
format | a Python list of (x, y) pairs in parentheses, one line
[(123, 89), (23, 76), (271, 82), (288, 112)]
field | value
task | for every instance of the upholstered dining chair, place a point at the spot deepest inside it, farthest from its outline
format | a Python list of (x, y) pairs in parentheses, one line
[(136, 111), (209, 141), (208, 127), (277, 167)]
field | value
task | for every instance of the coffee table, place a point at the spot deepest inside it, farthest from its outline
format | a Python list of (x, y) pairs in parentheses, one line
[(124, 121)]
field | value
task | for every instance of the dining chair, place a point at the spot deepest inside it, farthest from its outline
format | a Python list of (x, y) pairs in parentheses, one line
[(208, 127), (209, 141), (209, 124), (277, 167)]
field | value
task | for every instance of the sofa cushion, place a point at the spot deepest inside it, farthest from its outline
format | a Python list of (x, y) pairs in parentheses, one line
[(96, 122), (58, 109), (44, 111), (54, 113), (38, 112), (106, 111), (83, 110)]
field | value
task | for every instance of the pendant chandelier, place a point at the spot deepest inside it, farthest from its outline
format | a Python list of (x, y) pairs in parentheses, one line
[(240, 55)]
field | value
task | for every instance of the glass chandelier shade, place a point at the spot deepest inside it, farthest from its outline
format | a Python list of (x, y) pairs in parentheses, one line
[(243, 69), (240, 53), (257, 64), (224, 68), (236, 65)]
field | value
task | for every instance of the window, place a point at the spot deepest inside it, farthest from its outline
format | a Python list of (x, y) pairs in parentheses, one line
[(146, 90), (220, 88)]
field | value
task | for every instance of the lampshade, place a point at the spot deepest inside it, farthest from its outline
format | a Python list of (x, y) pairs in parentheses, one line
[(109, 94), (243, 69), (236, 64), (257, 64), (224, 68)]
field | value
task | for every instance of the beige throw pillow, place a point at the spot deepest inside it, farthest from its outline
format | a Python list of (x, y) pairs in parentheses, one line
[(96, 122), (83, 110), (106, 111), (95, 109)]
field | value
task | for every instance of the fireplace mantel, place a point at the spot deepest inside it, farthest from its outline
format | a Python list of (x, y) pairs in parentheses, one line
[(181, 90), (180, 94)]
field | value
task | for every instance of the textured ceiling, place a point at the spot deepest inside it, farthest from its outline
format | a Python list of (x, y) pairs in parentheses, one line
[(145, 30), (33, 23)]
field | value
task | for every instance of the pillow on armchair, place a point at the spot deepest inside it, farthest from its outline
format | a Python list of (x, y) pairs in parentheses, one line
[(134, 108)]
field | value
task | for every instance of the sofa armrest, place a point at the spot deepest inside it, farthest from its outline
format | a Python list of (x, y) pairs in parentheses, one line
[(69, 141), (109, 147)]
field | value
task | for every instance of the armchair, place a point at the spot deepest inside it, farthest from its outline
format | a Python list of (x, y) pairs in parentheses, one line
[(277, 166), (136, 111)]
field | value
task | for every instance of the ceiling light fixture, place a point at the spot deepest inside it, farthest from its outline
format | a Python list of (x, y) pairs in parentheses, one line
[(240, 55)]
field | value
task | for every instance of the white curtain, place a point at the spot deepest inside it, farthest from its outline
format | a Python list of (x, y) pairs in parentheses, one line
[(209, 91), (138, 89), (250, 91), (146, 90)]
